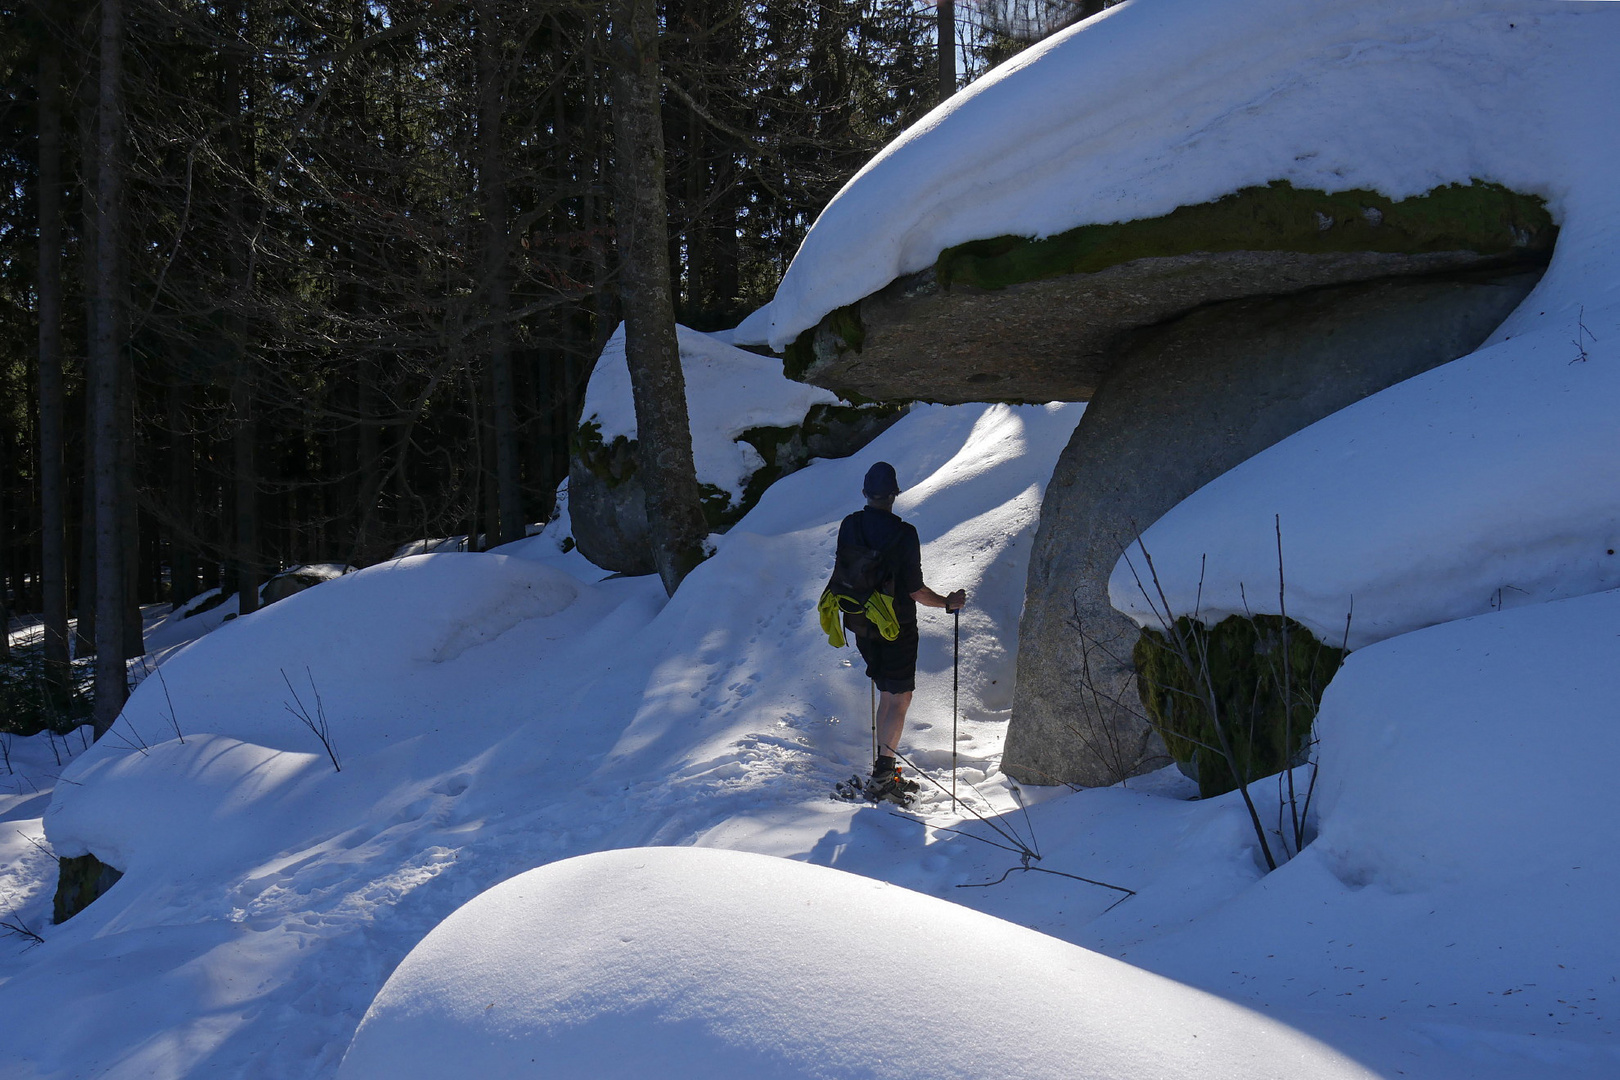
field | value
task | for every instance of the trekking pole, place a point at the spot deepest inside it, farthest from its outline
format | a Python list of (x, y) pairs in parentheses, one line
[(956, 666), (873, 685)]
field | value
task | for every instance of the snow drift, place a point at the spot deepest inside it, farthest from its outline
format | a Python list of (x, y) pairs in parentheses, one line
[(679, 962)]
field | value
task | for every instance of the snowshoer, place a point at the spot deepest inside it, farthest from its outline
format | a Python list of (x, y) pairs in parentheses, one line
[(880, 556)]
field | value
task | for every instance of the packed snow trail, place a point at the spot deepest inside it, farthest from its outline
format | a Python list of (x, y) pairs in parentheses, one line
[(491, 713)]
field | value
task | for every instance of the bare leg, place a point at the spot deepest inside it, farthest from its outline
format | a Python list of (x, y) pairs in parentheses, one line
[(891, 719)]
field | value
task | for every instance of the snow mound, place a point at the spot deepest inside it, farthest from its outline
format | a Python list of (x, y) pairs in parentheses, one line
[(135, 826), (174, 629), (1157, 104), (1455, 753), (1484, 484), (1455, 878), (692, 962), (384, 626), (728, 391)]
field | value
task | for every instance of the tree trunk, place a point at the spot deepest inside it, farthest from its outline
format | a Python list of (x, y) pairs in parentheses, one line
[(488, 535), (249, 575), (243, 148), (5, 608), (129, 526), (182, 489), (106, 369), (368, 442), (84, 629), (84, 634), (497, 278), (52, 473), (946, 15), (658, 386)]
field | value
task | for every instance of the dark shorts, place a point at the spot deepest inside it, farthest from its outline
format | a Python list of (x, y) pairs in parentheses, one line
[(891, 664)]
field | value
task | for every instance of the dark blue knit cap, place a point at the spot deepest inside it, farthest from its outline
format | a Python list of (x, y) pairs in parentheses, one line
[(880, 481)]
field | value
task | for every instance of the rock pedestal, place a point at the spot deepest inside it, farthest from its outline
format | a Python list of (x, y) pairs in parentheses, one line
[(1184, 402)]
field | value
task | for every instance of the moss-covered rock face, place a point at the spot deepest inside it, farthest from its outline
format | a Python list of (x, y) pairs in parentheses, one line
[(607, 502), (1266, 674), (1485, 218), (1023, 319), (613, 463), (828, 431), (840, 331), (79, 881)]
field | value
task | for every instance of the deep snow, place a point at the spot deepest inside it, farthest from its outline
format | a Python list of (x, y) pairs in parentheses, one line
[(495, 713), (691, 962)]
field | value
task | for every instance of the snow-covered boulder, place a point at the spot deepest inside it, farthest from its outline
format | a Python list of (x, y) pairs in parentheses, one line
[(750, 426), (393, 625), (298, 578), (1205, 134), (1445, 752), (1454, 873), (702, 963)]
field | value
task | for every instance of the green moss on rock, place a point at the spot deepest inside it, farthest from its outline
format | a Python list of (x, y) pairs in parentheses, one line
[(1485, 218), (1249, 668), (611, 462), (79, 881), (826, 431), (838, 332)]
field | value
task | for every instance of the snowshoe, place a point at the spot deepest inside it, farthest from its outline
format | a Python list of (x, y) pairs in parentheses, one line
[(851, 790), (895, 789), (875, 790)]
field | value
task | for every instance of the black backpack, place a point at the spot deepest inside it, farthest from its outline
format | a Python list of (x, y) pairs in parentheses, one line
[(860, 594)]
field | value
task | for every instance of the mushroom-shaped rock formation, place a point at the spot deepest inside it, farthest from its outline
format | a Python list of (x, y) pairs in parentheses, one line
[(1216, 220)]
